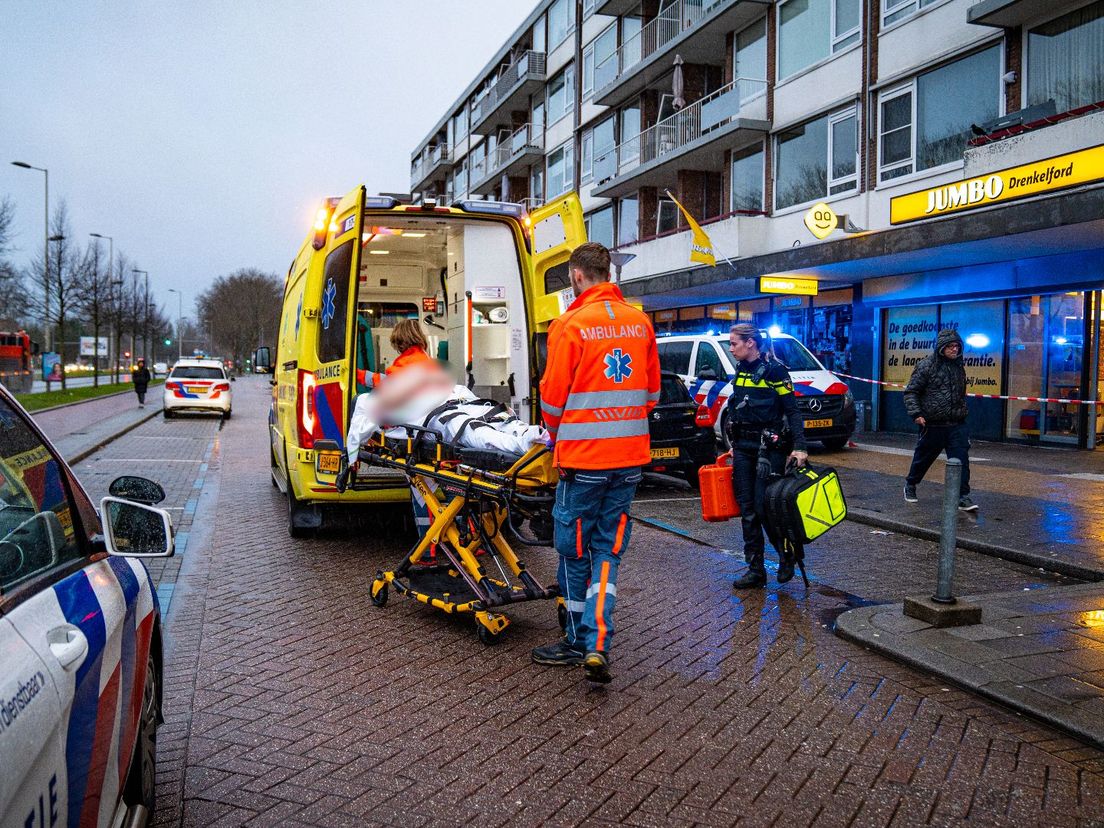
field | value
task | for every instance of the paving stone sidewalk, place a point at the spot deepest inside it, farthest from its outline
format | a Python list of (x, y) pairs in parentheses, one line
[(79, 430)]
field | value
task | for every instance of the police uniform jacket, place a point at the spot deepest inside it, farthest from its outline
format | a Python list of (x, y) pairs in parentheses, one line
[(763, 397)]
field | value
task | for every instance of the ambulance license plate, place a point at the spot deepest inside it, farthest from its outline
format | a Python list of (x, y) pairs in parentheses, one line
[(328, 462), (818, 423), (664, 453)]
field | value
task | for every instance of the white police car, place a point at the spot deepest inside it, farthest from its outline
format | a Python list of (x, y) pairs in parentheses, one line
[(706, 366), (198, 385), (80, 639)]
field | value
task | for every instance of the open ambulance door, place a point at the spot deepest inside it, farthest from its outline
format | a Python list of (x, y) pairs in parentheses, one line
[(556, 229), (334, 379)]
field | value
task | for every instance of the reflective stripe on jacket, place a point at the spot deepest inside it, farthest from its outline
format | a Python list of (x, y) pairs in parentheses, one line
[(600, 383)]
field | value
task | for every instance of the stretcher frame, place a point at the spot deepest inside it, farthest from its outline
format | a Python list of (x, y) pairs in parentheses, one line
[(466, 529)]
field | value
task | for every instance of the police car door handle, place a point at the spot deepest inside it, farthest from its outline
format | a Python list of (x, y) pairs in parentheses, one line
[(69, 646)]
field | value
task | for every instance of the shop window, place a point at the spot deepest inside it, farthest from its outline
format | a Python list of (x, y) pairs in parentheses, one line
[(561, 94), (808, 152), (811, 30), (1064, 58), (599, 226), (926, 122), (747, 178), (561, 164)]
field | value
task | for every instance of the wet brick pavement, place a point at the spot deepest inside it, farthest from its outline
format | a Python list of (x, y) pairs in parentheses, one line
[(291, 700)]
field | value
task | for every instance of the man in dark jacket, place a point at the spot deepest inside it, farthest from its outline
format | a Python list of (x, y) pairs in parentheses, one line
[(141, 377), (935, 399)]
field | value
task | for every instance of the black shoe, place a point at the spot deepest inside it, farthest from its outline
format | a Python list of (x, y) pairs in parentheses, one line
[(751, 580), (966, 504), (910, 494), (597, 668), (786, 568), (560, 654)]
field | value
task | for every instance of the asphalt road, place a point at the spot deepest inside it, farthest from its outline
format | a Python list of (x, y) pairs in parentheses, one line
[(291, 700)]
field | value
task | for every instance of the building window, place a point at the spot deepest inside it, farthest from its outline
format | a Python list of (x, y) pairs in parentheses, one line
[(811, 30), (538, 117), (805, 155), (628, 220), (749, 60), (597, 141), (588, 8), (540, 44), (561, 22), (599, 226), (561, 163), (461, 124), (926, 122), (666, 216), (747, 179), (536, 184), (588, 72), (1064, 58), (461, 182), (894, 10), (561, 94)]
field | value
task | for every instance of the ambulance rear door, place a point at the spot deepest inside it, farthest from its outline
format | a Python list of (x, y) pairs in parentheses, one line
[(557, 229)]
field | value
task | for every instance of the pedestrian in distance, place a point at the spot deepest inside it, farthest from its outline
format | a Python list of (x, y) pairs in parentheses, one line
[(935, 399), (766, 431), (599, 385), (141, 378)]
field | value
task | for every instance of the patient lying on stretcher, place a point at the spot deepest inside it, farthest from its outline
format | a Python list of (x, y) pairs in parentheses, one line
[(424, 395)]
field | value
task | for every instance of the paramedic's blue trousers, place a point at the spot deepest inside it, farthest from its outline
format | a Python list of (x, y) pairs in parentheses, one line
[(591, 535)]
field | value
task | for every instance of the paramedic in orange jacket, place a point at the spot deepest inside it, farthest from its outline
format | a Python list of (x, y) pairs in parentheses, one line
[(599, 385), (410, 341)]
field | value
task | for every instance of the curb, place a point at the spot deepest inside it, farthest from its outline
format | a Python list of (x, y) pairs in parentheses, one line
[(851, 625), (90, 450), (1031, 559), (82, 402)]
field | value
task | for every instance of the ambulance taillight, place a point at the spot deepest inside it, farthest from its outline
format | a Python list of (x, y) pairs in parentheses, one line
[(305, 418)]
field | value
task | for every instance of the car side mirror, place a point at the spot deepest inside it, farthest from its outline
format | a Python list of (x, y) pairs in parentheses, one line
[(233, 378), (137, 489), (707, 374), (134, 530)]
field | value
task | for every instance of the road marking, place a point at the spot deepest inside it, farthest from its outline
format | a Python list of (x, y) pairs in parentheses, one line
[(666, 499), (141, 460), (905, 452), (1096, 478)]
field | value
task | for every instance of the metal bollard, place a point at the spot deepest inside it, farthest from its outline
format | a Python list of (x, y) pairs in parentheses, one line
[(952, 488)]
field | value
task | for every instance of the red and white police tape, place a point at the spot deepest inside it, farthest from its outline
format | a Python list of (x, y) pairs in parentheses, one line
[(1062, 400)]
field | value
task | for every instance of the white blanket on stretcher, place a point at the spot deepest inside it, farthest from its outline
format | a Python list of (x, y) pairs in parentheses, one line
[(512, 436)]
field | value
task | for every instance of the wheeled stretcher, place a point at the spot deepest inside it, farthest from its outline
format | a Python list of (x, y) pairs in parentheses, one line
[(463, 563)]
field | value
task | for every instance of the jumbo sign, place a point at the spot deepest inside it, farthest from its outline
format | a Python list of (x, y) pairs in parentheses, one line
[(1056, 173)]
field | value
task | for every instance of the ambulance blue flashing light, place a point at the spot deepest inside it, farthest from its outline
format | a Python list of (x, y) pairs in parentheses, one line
[(380, 202), (497, 208)]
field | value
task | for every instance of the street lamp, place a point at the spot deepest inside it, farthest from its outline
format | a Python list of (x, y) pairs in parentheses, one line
[(45, 250), (619, 260), (117, 320), (179, 322), (145, 331), (96, 293)]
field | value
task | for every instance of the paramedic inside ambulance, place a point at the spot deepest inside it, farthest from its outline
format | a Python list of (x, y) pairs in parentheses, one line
[(599, 385), (765, 431)]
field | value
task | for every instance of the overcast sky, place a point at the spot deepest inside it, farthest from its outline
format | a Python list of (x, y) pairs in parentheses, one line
[(202, 135)]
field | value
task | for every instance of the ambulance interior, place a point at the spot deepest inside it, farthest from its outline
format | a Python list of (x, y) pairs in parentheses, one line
[(445, 271)]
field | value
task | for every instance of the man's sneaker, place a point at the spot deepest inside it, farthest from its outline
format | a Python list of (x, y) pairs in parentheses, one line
[(597, 668), (910, 494), (966, 504), (560, 654)]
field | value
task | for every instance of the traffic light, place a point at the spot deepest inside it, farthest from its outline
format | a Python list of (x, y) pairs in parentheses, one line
[(168, 341), (126, 354)]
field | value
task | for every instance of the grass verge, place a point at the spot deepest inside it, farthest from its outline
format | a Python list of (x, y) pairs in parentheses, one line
[(48, 399)]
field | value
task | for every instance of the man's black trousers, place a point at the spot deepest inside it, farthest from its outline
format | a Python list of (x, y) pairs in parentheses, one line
[(954, 439), (750, 491)]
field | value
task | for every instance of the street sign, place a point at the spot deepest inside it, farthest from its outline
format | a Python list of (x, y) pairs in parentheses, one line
[(796, 287)]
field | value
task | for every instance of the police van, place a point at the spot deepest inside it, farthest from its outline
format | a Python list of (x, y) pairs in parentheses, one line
[(706, 366), (484, 279)]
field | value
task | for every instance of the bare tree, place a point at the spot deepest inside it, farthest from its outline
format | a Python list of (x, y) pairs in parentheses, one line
[(13, 294), (242, 310), (61, 283)]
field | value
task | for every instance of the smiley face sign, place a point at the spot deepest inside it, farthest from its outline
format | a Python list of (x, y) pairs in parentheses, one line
[(821, 220)]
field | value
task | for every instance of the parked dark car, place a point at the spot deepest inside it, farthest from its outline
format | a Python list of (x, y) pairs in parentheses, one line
[(682, 433)]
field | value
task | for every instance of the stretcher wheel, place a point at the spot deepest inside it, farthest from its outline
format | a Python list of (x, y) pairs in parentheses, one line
[(561, 616), (379, 597), (488, 637)]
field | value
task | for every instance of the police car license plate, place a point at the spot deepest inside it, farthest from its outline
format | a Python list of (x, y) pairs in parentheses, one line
[(818, 423), (328, 462), (197, 389), (664, 453)]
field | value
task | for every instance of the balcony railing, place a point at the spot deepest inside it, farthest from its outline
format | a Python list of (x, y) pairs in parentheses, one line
[(530, 63), (438, 155), (524, 139), (653, 36), (677, 131)]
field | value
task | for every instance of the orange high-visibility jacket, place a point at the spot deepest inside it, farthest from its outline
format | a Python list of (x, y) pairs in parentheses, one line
[(411, 356), (600, 382)]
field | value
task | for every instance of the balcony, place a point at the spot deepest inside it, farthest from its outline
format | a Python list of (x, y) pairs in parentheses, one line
[(512, 156), (616, 8), (431, 166), (694, 138), (1010, 13), (518, 81), (696, 29)]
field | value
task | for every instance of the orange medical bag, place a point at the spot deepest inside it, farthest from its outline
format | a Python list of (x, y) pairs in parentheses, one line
[(718, 501)]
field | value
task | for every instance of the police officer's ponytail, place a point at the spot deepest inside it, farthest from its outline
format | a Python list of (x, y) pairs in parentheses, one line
[(745, 330)]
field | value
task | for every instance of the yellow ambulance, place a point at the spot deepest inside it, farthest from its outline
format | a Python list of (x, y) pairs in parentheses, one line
[(483, 277)]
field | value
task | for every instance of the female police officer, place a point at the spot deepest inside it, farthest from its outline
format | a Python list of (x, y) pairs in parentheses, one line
[(764, 425)]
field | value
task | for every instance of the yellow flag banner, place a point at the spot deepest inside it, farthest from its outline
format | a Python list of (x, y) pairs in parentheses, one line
[(701, 248)]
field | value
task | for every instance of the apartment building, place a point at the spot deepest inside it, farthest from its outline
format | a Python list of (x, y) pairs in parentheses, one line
[(958, 140)]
